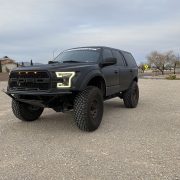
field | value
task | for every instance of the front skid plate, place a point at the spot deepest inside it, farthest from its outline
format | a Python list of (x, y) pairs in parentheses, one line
[(34, 102)]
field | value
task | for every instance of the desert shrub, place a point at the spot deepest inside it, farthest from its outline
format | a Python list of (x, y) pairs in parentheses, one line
[(171, 77)]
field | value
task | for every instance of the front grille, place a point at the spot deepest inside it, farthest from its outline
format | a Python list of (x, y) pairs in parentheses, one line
[(29, 80)]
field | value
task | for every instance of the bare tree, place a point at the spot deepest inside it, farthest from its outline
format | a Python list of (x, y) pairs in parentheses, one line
[(142, 67), (158, 60), (173, 60)]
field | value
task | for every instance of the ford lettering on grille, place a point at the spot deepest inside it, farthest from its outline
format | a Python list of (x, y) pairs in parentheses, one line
[(29, 80)]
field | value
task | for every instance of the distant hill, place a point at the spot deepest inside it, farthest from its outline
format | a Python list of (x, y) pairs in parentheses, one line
[(29, 64)]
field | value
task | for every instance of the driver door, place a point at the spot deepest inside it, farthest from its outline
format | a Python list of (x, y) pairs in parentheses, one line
[(111, 74)]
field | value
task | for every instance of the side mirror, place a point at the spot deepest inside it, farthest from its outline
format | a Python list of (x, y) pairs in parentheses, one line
[(52, 62), (109, 61)]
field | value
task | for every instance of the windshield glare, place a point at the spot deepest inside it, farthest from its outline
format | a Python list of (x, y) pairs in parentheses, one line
[(79, 55)]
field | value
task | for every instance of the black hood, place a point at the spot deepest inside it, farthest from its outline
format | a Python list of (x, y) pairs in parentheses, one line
[(55, 66)]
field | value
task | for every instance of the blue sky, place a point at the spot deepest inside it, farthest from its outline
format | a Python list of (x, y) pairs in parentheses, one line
[(34, 29)]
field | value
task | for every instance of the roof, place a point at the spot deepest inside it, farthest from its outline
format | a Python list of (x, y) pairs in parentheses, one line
[(99, 47), (7, 60)]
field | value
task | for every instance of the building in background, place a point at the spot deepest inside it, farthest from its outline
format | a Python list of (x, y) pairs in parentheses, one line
[(7, 64)]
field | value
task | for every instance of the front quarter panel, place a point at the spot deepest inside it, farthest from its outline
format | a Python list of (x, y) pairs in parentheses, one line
[(82, 82)]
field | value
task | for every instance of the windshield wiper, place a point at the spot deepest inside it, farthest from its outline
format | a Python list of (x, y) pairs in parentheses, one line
[(71, 61)]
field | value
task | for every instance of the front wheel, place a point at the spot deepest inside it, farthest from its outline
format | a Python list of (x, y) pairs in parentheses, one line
[(131, 96), (26, 112), (88, 109)]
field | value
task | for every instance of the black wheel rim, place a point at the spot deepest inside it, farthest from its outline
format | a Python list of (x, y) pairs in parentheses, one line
[(94, 109)]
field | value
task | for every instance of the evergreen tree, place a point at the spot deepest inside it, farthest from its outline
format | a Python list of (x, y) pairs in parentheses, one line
[(31, 63)]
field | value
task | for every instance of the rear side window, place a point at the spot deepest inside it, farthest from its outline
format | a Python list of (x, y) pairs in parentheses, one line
[(119, 57), (107, 54), (130, 59)]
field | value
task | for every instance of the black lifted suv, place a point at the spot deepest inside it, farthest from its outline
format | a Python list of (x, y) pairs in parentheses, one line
[(80, 79)]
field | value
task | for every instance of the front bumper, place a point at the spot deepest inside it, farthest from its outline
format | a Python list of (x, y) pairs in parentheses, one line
[(38, 93), (41, 99), (38, 88)]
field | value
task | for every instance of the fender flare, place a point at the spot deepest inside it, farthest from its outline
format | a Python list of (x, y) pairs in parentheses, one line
[(89, 76), (134, 79)]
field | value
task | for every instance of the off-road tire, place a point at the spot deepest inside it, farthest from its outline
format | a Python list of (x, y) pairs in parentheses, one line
[(131, 96), (88, 109), (26, 112)]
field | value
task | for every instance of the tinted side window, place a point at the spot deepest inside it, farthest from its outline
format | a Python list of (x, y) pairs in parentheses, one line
[(119, 57), (107, 53), (130, 60)]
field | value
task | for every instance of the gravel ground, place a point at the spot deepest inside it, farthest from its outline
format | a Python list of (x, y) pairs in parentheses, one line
[(4, 76), (141, 143)]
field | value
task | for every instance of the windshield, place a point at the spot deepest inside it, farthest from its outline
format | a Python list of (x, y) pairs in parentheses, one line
[(79, 55)]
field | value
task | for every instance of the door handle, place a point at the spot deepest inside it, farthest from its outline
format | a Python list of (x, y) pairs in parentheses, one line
[(130, 70), (115, 71)]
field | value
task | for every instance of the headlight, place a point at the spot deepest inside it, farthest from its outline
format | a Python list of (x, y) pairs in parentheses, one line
[(65, 79)]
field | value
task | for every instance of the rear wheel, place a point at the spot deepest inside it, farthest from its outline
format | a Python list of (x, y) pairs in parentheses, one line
[(26, 112), (131, 96), (88, 109)]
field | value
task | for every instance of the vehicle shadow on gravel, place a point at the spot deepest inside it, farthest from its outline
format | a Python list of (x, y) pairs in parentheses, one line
[(61, 122), (111, 104)]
